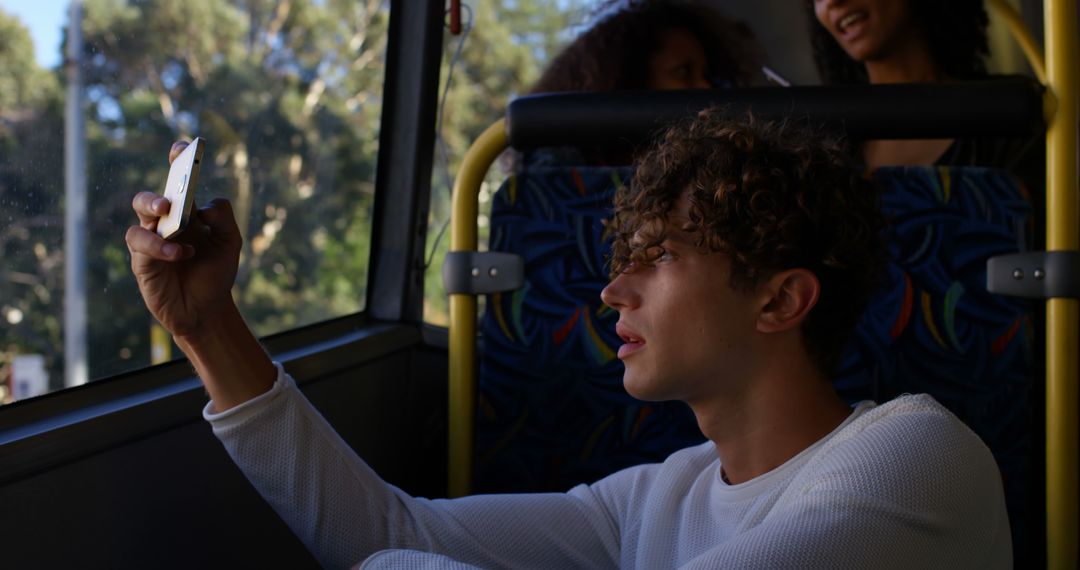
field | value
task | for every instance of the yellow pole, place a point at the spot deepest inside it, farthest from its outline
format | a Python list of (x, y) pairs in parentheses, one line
[(1061, 314), (160, 344), (1022, 36), (462, 341)]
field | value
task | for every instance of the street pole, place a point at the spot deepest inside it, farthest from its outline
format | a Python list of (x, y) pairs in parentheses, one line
[(75, 232)]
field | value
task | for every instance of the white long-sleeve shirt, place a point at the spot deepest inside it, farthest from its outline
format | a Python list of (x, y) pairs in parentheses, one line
[(900, 485)]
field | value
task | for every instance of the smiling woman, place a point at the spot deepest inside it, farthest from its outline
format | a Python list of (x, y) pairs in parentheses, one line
[(867, 35), (916, 41), (851, 38)]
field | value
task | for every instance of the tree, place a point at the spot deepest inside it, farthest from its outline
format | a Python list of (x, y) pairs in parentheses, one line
[(22, 83), (31, 219), (502, 56), (288, 94)]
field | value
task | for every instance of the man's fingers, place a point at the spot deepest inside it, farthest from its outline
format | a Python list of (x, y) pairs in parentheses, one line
[(141, 241), (218, 215), (149, 207), (177, 148)]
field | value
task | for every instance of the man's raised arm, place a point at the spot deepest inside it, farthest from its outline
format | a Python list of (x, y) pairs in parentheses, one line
[(187, 286)]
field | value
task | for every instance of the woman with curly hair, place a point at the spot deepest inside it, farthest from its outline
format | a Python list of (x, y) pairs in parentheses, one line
[(907, 41), (914, 41), (654, 44), (649, 44)]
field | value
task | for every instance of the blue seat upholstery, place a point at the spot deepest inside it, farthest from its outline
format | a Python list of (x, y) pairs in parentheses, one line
[(934, 328), (553, 412)]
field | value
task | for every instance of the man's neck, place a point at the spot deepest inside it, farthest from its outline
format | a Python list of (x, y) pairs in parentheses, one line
[(782, 412)]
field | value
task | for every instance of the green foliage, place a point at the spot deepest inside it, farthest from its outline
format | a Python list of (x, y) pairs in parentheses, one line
[(22, 82), (502, 56), (31, 192), (288, 95)]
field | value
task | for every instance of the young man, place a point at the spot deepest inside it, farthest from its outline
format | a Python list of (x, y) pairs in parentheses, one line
[(744, 251)]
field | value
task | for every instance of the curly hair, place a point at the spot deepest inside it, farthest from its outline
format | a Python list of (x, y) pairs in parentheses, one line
[(771, 196), (955, 30), (613, 55)]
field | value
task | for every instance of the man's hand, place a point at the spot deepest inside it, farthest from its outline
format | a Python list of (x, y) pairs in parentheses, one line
[(187, 285), (186, 281)]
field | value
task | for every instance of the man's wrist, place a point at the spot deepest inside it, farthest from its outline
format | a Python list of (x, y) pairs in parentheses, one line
[(228, 358), (224, 322)]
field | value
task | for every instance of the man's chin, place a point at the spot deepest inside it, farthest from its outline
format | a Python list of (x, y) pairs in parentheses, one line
[(646, 390)]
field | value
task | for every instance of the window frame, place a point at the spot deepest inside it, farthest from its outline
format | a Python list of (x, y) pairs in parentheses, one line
[(50, 430)]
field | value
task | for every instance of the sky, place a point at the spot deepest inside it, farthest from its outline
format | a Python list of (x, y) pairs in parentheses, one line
[(45, 19)]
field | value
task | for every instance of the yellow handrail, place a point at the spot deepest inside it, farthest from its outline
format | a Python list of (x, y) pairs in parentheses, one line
[(462, 341), (1061, 314), (1022, 35)]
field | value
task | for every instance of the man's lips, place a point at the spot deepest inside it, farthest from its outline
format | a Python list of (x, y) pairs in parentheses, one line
[(632, 342)]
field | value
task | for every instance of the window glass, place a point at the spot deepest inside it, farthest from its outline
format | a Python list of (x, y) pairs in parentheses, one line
[(501, 55), (288, 97)]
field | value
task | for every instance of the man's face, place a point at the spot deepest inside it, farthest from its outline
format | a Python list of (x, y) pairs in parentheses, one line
[(688, 335)]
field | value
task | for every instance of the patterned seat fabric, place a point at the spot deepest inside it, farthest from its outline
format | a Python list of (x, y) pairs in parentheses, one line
[(934, 328), (553, 412)]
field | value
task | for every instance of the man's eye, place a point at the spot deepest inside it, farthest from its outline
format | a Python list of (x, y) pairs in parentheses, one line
[(665, 255), (624, 265)]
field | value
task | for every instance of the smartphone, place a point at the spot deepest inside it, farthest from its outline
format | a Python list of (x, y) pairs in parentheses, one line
[(775, 77), (180, 189)]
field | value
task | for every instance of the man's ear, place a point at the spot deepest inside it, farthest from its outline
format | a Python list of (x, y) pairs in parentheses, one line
[(788, 298)]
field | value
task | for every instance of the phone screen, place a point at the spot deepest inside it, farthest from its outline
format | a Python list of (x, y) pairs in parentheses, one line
[(180, 189)]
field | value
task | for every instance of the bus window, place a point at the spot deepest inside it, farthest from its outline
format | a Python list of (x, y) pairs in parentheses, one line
[(288, 98), (502, 50)]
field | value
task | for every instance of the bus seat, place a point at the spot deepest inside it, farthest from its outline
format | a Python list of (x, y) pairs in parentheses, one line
[(932, 327), (552, 412)]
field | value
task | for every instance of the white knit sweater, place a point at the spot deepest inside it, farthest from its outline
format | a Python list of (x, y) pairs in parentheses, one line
[(900, 485)]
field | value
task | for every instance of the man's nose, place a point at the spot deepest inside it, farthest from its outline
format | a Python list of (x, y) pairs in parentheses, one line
[(616, 295)]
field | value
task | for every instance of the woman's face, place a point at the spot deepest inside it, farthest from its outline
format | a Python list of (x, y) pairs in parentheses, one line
[(866, 29), (680, 63)]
